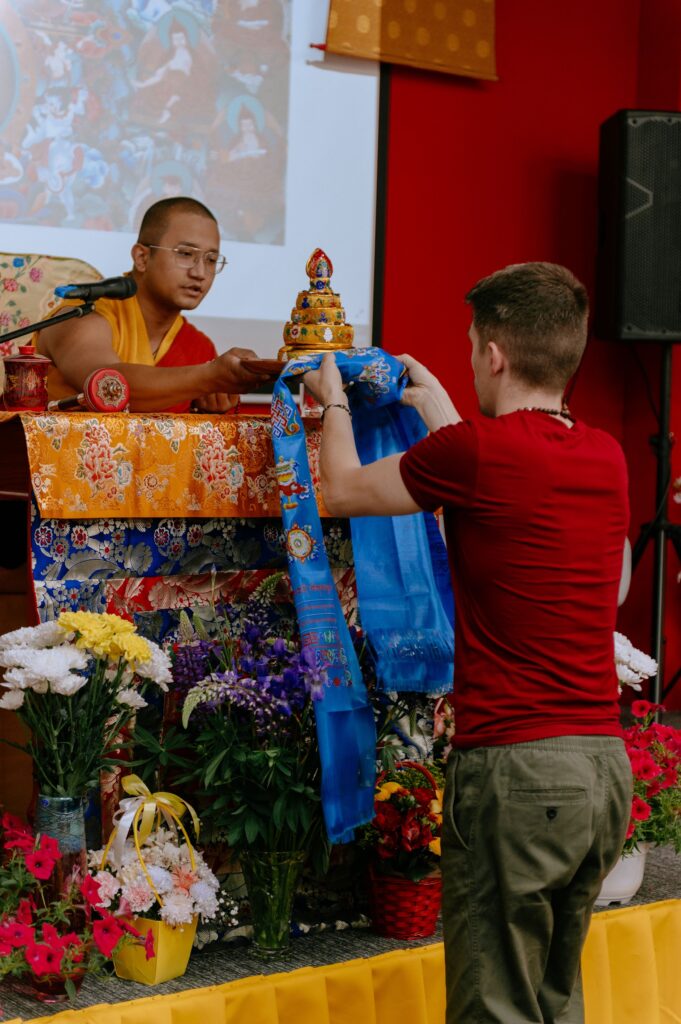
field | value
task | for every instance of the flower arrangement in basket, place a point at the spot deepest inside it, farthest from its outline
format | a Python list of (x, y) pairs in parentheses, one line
[(75, 683), (403, 842), (50, 938), (151, 877), (655, 754)]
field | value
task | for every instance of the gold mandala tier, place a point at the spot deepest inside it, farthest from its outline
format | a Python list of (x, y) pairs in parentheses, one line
[(318, 336), (328, 315), (317, 321)]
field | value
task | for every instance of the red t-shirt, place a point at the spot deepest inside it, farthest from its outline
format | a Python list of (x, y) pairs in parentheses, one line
[(535, 516)]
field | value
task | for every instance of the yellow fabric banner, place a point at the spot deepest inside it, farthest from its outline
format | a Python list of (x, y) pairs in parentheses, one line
[(145, 466), (630, 973), (456, 36)]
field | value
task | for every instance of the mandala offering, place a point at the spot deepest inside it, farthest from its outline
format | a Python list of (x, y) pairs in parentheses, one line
[(317, 322)]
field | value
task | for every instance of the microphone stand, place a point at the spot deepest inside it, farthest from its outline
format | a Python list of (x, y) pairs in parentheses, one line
[(68, 314)]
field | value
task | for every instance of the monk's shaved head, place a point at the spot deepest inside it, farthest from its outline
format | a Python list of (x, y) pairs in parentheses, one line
[(157, 218)]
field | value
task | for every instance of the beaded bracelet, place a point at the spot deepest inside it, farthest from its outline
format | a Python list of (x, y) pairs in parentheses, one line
[(336, 405)]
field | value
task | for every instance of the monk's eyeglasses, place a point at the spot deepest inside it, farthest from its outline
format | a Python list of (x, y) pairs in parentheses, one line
[(187, 256)]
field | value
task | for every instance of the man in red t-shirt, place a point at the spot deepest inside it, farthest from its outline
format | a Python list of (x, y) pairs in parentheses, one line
[(538, 788)]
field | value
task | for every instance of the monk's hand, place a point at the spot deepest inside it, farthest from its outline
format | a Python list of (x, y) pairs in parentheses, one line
[(326, 383), (216, 403), (231, 376)]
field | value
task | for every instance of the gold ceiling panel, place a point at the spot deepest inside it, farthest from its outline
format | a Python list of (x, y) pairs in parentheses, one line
[(456, 36)]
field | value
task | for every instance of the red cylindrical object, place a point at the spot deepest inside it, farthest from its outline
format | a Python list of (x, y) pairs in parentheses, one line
[(106, 391), (103, 391), (26, 381)]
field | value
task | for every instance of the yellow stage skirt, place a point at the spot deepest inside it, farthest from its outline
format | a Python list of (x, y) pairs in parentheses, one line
[(630, 967)]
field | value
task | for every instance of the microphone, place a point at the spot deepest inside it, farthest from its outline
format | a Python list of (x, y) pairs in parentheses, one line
[(103, 391), (110, 288)]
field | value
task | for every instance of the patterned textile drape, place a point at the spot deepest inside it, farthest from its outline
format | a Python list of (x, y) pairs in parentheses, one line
[(456, 36)]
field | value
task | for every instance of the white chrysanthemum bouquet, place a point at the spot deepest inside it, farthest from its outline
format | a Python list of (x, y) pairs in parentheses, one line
[(163, 867), (632, 666), (75, 683)]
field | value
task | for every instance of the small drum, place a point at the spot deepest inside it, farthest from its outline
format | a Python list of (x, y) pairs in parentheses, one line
[(103, 391)]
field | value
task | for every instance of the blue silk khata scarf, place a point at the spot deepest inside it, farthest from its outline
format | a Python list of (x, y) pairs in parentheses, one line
[(403, 588)]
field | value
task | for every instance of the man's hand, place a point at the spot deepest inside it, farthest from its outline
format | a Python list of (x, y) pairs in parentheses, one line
[(425, 394), (326, 383), (421, 382)]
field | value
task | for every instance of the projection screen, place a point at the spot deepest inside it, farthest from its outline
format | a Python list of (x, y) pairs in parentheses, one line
[(109, 105)]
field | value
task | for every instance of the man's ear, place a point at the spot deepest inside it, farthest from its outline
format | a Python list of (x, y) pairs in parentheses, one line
[(140, 256), (496, 357)]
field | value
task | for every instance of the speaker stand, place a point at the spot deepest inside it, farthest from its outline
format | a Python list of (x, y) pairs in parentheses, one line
[(660, 530)]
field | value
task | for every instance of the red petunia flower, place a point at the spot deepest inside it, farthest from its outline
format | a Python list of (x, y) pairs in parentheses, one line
[(149, 945), (50, 847), (24, 914), (22, 841), (129, 928), (44, 959), (640, 810), (642, 708), (39, 864), (90, 890), (107, 934), (644, 765), (11, 823), (16, 934), (52, 937)]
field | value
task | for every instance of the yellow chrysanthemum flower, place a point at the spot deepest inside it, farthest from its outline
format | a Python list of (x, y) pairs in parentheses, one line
[(434, 846), (132, 648), (99, 633)]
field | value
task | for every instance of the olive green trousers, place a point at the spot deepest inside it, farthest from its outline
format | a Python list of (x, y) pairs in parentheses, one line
[(529, 832)]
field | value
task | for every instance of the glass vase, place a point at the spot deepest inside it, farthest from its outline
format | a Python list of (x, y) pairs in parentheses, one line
[(63, 818), (271, 880), (49, 988)]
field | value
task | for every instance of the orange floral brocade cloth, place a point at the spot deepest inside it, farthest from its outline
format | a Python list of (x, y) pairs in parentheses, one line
[(149, 466)]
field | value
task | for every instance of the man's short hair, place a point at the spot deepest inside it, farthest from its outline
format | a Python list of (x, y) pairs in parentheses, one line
[(537, 314), (155, 220)]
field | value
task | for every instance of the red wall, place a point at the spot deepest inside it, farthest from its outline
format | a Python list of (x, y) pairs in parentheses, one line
[(482, 174)]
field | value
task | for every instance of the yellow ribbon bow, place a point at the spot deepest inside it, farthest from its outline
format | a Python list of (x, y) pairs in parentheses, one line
[(142, 814)]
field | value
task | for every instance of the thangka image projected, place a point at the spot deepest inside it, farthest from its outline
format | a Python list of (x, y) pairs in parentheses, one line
[(108, 105)]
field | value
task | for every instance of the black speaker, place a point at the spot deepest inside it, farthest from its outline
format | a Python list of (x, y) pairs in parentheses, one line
[(638, 274)]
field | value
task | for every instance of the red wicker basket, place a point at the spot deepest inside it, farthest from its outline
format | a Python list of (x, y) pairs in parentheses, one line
[(400, 908)]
